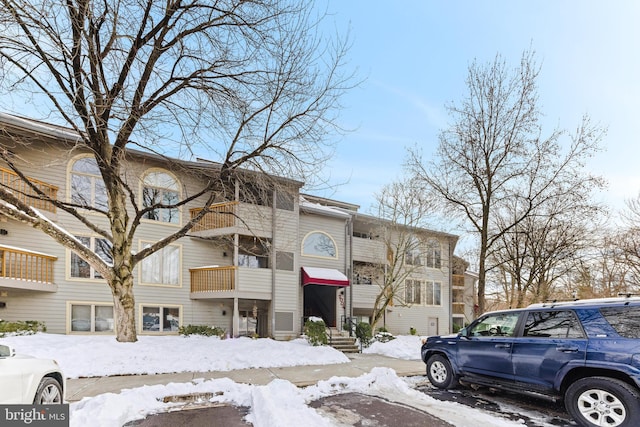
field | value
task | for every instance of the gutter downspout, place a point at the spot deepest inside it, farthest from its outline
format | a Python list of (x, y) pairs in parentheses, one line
[(450, 287), (349, 268), (272, 254)]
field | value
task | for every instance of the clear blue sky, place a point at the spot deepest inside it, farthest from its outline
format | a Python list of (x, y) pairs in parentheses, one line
[(414, 57)]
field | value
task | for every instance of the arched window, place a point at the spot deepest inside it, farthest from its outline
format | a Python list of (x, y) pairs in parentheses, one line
[(434, 254), (86, 184), (319, 244), (413, 255), (160, 188)]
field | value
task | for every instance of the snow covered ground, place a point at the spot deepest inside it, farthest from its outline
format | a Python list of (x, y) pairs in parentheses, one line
[(278, 404)]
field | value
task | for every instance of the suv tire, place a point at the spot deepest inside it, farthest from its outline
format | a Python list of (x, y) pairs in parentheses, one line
[(603, 401), (440, 373)]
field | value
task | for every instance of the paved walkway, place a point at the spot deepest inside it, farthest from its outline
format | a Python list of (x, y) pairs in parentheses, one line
[(298, 375)]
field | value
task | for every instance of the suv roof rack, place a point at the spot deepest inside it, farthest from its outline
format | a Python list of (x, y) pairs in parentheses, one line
[(622, 298)]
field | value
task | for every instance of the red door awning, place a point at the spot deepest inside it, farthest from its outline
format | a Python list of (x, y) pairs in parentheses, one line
[(323, 276)]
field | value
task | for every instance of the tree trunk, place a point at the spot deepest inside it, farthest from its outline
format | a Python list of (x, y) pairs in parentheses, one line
[(124, 309)]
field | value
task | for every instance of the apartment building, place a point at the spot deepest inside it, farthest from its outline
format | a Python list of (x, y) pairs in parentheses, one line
[(261, 261)]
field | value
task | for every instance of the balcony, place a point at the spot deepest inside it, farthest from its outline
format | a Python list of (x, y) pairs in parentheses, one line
[(221, 215), (369, 250), (27, 194), (234, 217), (221, 282), (213, 279), (22, 269), (457, 308), (457, 280)]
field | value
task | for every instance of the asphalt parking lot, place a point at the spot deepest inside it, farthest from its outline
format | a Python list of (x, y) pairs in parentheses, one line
[(349, 409)]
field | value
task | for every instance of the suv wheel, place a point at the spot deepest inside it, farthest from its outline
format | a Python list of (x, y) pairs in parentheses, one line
[(602, 401), (440, 373), (49, 392)]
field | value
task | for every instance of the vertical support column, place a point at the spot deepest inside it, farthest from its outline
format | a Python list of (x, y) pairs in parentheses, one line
[(236, 318)]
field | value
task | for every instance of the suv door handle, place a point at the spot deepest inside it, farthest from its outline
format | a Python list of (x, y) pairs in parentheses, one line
[(567, 349), (503, 345)]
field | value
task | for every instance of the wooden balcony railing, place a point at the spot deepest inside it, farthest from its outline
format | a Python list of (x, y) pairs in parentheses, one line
[(27, 194), (213, 279), (458, 280), (457, 308), (23, 265), (222, 215)]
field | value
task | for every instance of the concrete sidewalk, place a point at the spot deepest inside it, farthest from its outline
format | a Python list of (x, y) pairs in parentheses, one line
[(299, 375)]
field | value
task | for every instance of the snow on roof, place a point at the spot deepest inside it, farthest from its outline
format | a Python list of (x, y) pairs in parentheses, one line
[(322, 209)]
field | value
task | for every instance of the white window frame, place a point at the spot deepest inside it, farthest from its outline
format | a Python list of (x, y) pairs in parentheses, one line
[(92, 328), (157, 186), (434, 254), (315, 255), (92, 272), (410, 296), (161, 307), (430, 294), (94, 181), (160, 255)]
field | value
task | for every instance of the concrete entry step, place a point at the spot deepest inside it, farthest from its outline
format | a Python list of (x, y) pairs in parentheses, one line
[(344, 344)]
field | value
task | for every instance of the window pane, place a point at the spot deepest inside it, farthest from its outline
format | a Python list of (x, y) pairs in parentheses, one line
[(436, 294), (79, 267), (103, 250), (81, 190), (170, 215), (151, 318), (87, 186), (100, 195), (495, 325), (319, 244), (171, 265), (161, 189), (413, 257), (151, 268), (552, 324), (150, 197), (103, 318), (86, 165), (163, 267), (625, 320), (433, 254), (80, 318), (171, 318), (160, 180)]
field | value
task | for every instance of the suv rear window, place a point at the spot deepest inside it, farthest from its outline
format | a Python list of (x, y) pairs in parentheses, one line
[(625, 320), (552, 324)]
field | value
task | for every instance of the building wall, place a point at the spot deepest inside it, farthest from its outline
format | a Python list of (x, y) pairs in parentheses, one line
[(287, 230)]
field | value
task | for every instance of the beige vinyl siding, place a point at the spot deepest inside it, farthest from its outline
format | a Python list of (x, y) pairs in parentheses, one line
[(334, 227), (364, 296), (400, 319), (50, 163), (369, 250)]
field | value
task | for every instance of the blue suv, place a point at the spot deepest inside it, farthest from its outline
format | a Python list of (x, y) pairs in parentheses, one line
[(585, 352)]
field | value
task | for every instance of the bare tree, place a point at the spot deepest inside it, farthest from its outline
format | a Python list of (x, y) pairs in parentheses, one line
[(251, 82), (494, 155), (603, 271), (544, 247), (403, 208), (628, 240)]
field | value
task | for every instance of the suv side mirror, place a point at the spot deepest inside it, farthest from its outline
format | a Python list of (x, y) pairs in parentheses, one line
[(463, 332), (6, 351)]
